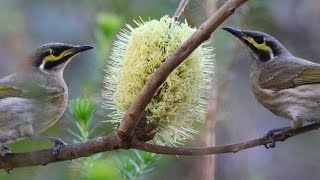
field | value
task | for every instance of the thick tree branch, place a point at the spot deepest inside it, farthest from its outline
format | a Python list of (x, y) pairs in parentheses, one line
[(131, 119), (233, 148)]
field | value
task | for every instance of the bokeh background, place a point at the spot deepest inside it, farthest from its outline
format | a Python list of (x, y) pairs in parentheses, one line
[(26, 25)]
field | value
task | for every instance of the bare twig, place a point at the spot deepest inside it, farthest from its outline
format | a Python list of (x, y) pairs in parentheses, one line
[(233, 148), (180, 9)]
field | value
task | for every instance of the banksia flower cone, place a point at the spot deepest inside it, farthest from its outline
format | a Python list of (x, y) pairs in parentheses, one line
[(181, 100)]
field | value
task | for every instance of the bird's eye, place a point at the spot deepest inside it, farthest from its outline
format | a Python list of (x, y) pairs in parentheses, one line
[(54, 53), (259, 40)]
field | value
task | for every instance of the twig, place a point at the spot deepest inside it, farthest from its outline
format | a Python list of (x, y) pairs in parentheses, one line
[(233, 148), (180, 9)]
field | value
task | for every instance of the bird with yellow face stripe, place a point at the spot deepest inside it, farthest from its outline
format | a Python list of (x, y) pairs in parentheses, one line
[(285, 84), (31, 101)]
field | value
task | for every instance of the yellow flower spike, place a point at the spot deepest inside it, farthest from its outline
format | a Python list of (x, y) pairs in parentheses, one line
[(181, 101)]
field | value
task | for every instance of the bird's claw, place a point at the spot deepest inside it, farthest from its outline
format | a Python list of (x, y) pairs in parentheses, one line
[(4, 151), (58, 143), (272, 143), (271, 136)]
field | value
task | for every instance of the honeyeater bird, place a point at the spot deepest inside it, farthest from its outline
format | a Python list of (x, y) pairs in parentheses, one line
[(32, 100), (287, 85)]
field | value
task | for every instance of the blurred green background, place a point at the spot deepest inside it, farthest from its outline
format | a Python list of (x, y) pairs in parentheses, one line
[(26, 25)]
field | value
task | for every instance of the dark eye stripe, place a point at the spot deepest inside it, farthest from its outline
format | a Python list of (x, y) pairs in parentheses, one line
[(50, 65), (57, 51), (47, 53)]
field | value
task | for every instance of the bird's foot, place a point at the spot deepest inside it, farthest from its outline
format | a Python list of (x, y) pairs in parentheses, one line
[(58, 143), (4, 151), (271, 135)]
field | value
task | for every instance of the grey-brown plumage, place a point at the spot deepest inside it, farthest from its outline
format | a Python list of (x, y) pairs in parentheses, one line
[(31, 101), (287, 89), (286, 85)]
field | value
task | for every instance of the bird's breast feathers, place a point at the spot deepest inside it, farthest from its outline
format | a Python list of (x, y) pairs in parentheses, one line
[(29, 105)]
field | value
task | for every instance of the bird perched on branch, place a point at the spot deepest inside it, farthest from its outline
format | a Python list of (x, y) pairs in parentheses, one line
[(285, 84), (32, 100)]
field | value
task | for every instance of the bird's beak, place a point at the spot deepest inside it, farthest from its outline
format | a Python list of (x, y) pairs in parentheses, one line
[(236, 32), (77, 49)]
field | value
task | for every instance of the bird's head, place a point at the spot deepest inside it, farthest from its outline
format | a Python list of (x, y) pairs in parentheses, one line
[(262, 47), (53, 57)]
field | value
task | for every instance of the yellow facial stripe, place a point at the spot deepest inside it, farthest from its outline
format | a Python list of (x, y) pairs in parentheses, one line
[(51, 57), (263, 46)]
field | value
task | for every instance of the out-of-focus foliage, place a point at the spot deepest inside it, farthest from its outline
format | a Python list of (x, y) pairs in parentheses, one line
[(100, 169), (108, 25), (134, 165), (94, 167), (82, 109)]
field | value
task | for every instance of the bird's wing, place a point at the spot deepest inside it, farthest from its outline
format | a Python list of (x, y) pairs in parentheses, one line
[(279, 75), (16, 86), (10, 91), (309, 76)]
